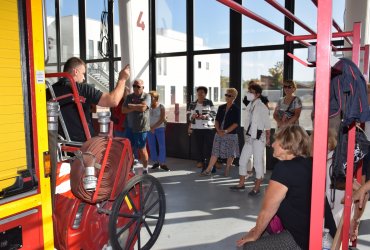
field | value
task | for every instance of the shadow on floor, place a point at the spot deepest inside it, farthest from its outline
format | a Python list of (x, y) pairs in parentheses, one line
[(202, 212)]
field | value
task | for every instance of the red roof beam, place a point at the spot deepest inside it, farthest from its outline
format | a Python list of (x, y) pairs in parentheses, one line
[(290, 15), (336, 25), (300, 60), (242, 10), (309, 37), (349, 48)]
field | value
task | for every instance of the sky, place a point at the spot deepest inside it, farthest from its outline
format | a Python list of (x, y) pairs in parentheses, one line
[(212, 25)]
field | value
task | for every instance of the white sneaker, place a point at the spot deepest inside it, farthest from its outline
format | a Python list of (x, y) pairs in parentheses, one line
[(145, 171)]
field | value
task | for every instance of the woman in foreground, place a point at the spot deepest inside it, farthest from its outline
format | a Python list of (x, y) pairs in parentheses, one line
[(288, 195)]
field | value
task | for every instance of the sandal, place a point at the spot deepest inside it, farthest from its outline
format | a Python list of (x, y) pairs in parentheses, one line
[(205, 173)]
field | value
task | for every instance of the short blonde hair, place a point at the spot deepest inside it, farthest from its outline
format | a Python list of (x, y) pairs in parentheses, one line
[(154, 94), (294, 139), (233, 91)]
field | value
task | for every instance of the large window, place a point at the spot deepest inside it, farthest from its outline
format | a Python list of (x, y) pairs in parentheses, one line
[(51, 31), (256, 34), (211, 25), (69, 30), (90, 49), (266, 68), (304, 77), (307, 12), (211, 32), (96, 10), (171, 81), (97, 75), (170, 25), (117, 33), (215, 78)]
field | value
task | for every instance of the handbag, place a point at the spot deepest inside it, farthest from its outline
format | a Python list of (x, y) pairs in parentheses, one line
[(289, 114), (275, 226), (339, 164)]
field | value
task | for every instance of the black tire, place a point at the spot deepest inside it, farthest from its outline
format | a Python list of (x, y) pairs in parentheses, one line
[(140, 226)]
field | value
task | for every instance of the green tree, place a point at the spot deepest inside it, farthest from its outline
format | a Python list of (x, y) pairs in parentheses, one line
[(277, 74)]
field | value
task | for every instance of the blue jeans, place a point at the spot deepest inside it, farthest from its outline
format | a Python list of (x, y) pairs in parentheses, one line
[(153, 138)]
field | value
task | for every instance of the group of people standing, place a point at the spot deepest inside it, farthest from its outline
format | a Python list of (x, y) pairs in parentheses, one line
[(256, 130), (138, 116), (145, 122), (288, 194)]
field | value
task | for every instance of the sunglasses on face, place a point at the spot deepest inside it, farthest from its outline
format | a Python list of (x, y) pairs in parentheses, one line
[(288, 87), (136, 86), (227, 95)]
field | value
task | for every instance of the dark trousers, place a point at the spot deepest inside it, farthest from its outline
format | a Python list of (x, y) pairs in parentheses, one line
[(204, 141)]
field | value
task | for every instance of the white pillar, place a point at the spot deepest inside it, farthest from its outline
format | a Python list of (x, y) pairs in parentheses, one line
[(134, 33)]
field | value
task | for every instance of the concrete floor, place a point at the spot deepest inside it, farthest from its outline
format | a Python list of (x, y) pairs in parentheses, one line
[(202, 213)]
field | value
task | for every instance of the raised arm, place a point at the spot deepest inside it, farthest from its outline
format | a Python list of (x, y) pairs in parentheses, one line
[(113, 98)]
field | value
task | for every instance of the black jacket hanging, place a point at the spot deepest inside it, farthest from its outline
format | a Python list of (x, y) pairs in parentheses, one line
[(348, 93)]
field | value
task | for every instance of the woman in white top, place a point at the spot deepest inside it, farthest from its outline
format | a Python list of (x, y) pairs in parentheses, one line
[(289, 107), (201, 115), (157, 133), (258, 126)]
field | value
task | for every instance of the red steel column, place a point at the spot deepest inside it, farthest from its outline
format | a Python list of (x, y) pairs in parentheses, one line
[(324, 21), (351, 146)]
